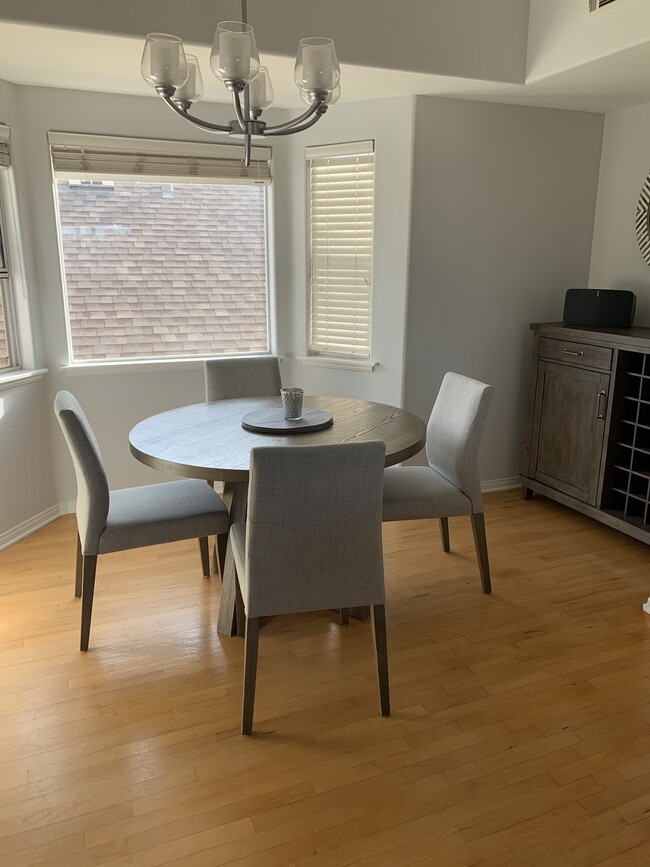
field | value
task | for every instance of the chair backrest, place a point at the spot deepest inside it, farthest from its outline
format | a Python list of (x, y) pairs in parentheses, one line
[(227, 378), (454, 433), (92, 486), (313, 534)]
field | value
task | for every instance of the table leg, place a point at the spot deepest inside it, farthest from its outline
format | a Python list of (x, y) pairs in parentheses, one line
[(231, 608)]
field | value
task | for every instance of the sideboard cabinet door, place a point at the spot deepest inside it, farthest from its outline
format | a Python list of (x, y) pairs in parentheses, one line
[(569, 427)]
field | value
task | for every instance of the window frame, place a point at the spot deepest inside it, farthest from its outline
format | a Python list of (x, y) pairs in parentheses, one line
[(324, 358), (164, 147), (14, 289), (7, 294)]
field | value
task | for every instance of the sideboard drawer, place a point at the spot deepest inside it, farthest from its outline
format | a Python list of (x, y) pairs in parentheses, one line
[(581, 354)]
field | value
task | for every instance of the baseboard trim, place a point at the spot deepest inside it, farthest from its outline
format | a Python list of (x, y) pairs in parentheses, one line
[(31, 525), (500, 485)]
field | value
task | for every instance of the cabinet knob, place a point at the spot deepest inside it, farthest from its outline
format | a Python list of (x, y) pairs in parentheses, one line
[(600, 412), (571, 352)]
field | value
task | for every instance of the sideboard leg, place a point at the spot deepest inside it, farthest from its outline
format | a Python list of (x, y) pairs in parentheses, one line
[(526, 493)]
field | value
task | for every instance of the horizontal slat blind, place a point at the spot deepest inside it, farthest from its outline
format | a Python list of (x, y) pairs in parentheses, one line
[(97, 157), (341, 207), (5, 152)]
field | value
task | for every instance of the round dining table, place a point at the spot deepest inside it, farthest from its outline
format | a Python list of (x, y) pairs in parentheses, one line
[(207, 441)]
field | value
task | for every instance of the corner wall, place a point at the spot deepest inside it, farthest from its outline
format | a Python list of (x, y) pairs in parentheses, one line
[(390, 123), (26, 479), (33, 455), (616, 261), (503, 208)]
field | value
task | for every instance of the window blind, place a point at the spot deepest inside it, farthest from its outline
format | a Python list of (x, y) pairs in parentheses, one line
[(120, 159), (341, 208), (5, 153)]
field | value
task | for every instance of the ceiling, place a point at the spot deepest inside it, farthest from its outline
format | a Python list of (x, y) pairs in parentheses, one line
[(54, 57)]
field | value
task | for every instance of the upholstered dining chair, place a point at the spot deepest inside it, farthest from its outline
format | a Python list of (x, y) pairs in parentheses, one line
[(450, 485), (109, 521), (312, 542), (228, 378)]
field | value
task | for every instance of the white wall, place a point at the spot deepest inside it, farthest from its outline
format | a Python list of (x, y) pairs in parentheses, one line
[(564, 34), (503, 206), (390, 124), (616, 260)]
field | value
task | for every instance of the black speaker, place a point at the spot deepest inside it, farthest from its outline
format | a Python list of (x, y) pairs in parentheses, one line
[(609, 308)]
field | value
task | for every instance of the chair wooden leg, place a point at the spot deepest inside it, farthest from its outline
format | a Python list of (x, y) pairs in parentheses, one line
[(381, 652), (205, 556), (215, 559), (250, 673), (89, 571), (78, 569), (480, 542), (221, 546), (344, 616), (444, 534)]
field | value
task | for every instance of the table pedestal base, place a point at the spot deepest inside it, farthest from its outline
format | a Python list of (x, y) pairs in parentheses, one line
[(231, 608)]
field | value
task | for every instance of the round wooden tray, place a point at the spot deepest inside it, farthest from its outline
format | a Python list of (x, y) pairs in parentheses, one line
[(271, 420)]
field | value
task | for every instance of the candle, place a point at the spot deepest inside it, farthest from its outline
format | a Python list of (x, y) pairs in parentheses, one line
[(317, 67), (234, 55), (257, 91), (188, 90), (165, 62)]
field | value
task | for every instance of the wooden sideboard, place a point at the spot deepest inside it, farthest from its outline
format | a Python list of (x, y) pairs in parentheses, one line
[(588, 430)]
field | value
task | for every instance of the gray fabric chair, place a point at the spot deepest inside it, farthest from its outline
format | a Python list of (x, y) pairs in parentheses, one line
[(450, 485), (110, 521), (228, 378), (312, 542)]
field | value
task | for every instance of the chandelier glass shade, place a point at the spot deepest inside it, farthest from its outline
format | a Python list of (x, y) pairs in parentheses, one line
[(176, 77)]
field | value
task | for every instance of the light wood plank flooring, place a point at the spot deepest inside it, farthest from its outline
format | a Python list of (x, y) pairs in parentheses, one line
[(520, 732)]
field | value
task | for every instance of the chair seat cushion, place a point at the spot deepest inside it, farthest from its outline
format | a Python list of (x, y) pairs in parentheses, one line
[(168, 512), (420, 492)]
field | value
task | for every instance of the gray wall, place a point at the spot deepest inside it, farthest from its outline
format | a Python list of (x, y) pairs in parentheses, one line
[(113, 399), (498, 223), (423, 35), (616, 260), (26, 477), (390, 123), (503, 208)]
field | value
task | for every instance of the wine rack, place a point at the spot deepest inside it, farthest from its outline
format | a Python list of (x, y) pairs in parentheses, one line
[(626, 492)]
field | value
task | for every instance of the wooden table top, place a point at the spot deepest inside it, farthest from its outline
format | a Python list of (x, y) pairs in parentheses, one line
[(207, 441)]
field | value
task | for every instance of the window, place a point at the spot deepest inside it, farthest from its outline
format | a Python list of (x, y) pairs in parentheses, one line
[(163, 248), (341, 204), (8, 343)]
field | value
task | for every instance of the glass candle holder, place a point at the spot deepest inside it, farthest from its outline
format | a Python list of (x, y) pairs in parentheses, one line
[(292, 403)]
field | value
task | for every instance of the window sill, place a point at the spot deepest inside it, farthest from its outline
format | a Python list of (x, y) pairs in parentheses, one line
[(96, 368), (338, 363), (20, 377)]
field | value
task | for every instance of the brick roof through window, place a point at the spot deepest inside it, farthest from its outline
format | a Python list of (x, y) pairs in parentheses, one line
[(155, 269)]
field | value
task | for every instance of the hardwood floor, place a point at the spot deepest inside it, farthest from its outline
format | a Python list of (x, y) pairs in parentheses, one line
[(520, 731)]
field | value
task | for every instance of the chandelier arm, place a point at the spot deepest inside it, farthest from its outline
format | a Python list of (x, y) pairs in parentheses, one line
[(273, 130), (195, 121), (303, 126), (238, 111)]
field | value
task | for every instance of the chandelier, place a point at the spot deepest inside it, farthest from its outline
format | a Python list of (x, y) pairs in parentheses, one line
[(176, 77)]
